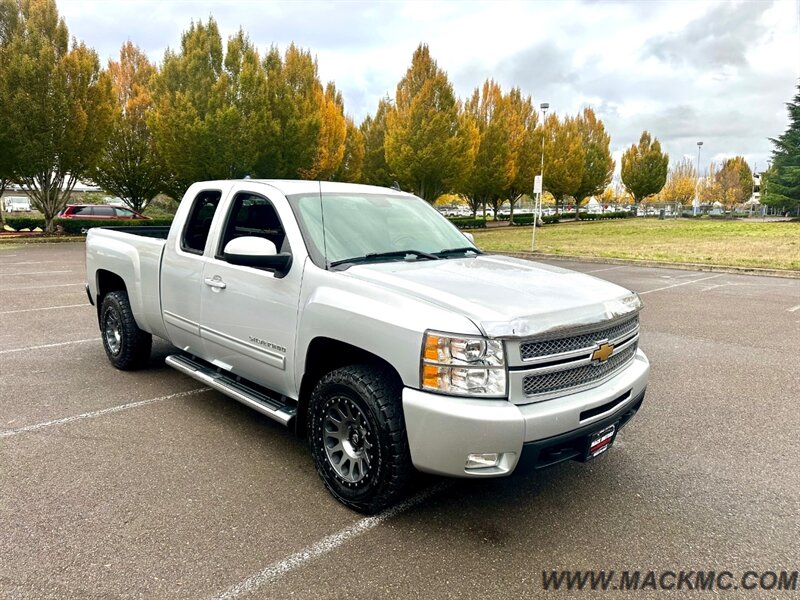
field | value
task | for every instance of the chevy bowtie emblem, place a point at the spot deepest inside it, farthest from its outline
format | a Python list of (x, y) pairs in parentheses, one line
[(603, 352)]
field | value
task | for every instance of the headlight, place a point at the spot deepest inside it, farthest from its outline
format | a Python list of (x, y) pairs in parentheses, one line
[(463, 366)]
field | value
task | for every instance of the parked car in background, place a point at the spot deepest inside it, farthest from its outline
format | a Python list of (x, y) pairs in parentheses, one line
[(98, 211), (17, 204)]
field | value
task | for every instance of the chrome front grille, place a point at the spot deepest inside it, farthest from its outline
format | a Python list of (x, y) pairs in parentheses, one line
[(544, 348), (555, 381), (555, 365)]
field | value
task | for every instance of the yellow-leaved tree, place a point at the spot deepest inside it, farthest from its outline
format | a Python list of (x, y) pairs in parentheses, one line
[(681, 185), (564, 158), (430, 144), (129, 166), (332, 134), (735, 181)]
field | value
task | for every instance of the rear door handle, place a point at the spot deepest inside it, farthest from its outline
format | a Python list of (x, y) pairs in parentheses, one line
[(215, 282)]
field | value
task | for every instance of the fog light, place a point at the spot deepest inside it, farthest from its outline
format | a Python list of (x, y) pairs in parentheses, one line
[(483, 461)]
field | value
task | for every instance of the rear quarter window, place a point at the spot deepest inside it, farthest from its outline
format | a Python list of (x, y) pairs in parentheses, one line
[(198, 225)]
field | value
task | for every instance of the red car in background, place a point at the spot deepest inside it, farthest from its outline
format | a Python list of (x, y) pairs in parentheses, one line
[(98, 211)]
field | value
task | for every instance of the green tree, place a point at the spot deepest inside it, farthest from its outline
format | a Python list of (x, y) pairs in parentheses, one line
[(297, 100), (61, 102), (210, 119), (564, 157), (644, 168), (681, 183), (430, 145), (598, 165), (351, 169), (129, 166), (373, 129), (735, 181), (782, 185), (9, 18)]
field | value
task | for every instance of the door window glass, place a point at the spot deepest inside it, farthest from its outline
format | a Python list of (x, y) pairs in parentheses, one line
[(253, 215)]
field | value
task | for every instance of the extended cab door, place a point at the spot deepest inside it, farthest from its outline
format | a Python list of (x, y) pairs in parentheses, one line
[(249, 317), (182, 269)]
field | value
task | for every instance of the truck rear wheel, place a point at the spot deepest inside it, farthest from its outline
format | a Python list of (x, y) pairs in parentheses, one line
[(127, 346), (357, 436)]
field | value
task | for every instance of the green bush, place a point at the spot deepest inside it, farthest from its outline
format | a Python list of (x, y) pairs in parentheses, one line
[(523, 219), (619, 214), (77, 226), (527, 219), (24, 222), (467, 222)]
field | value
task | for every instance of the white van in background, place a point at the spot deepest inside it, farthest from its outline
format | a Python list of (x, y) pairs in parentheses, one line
[(17, 204)]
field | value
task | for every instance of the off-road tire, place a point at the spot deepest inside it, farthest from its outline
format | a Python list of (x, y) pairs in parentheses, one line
[(130, 349), (374, 394)]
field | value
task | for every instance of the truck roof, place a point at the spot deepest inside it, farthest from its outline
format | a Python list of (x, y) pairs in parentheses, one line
[(300, 186)]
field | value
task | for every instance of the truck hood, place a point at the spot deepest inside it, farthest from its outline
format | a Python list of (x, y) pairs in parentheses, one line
[(505, 297)]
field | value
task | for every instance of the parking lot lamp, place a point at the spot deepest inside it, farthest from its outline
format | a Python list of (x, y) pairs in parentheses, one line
[(696, 203), (537, 208)]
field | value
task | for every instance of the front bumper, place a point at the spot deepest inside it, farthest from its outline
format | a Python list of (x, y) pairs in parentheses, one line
[(444, 430)]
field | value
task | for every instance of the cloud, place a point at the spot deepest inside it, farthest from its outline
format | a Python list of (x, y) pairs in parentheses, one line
[(719, 38)]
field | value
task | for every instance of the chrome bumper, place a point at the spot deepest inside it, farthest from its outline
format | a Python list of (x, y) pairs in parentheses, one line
[(443, 430)]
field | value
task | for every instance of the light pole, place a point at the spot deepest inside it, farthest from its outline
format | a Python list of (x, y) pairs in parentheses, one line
[(696, 203), (538, 186)]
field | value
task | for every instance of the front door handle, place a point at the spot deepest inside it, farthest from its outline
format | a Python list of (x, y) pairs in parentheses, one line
[(215, 282)]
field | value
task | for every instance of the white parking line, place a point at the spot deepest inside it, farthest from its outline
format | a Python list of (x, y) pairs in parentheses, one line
[(719, 285), (30, 262), (678, 284), (97, 413), (49, 345), (601, 270), (38, 287), (36, 273), (794, 308), (22, 310), (327, 544)]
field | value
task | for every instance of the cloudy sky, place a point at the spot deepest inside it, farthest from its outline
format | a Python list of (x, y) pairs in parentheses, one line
[(686, 70)]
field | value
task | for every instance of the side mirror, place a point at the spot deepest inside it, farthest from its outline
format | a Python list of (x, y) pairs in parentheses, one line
[(257, 252), (469, 236)]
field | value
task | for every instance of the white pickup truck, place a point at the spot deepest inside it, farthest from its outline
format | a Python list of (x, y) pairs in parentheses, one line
[(363, 319)]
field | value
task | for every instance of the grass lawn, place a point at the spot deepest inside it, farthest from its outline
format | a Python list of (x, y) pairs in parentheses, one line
[(717, 242)]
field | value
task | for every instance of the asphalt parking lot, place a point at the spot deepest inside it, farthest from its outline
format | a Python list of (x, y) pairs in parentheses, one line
[(146, 485)]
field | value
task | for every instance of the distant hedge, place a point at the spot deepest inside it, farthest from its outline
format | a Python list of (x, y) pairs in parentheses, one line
[(467, 222), (527, 218), (77, 226), (620, 214)]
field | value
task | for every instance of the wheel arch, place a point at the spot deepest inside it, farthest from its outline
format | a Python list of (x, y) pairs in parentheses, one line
[(324, 355), (107, 282)]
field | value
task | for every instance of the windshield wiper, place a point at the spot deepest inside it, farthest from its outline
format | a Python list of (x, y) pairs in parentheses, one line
[(452, 251), (378, 255)]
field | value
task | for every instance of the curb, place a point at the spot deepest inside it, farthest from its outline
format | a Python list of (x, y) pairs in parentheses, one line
[(784, 273), (29, 239)]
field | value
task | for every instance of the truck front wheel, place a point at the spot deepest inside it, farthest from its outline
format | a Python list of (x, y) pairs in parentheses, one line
[(357, 436), (127, 346)]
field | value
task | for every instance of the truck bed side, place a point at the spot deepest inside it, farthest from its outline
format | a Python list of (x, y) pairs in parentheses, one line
[(128, 256)]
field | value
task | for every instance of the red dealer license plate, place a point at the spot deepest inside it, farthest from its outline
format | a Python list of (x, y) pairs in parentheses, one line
[(601, 441)]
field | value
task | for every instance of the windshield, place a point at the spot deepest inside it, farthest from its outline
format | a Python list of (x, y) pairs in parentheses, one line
[(359, 225)]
